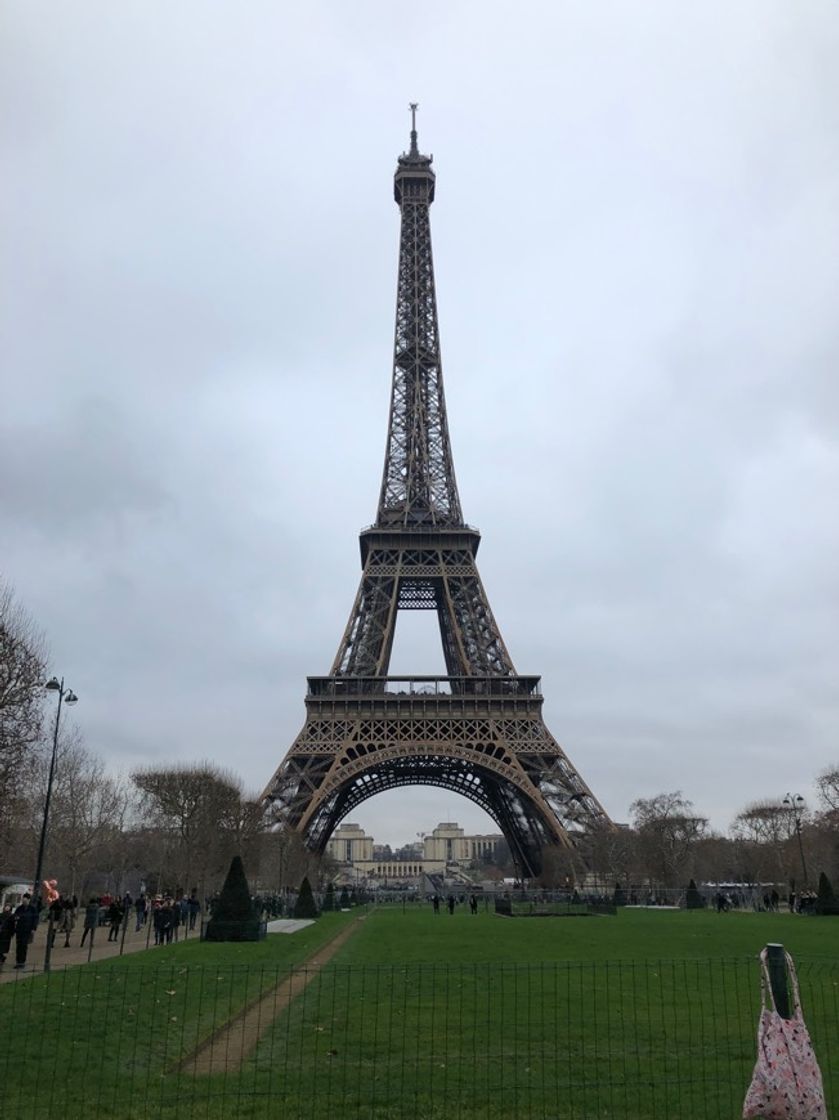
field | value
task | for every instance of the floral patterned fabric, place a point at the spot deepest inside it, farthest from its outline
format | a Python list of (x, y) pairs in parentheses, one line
[(787, 1082)]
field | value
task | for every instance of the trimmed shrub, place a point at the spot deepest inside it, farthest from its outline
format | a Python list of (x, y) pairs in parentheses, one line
[(328, 900), (619, 897), (344, 901), (826, 901), (693, 899), (235, 917), (305, 906)]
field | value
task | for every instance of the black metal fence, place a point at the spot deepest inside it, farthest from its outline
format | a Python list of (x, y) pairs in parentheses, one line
[(619, 1040)]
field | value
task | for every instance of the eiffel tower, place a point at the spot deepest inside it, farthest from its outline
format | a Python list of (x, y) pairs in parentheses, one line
[(479, 730)]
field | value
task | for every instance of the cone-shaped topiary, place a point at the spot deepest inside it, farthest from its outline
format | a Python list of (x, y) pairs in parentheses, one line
[(328, 899), (619, 897), (693, 899), (234, 916), (344, 901), (305, 906), (826, 901)]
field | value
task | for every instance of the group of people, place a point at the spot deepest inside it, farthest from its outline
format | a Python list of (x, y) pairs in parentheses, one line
[(451, 902), (168, 914)]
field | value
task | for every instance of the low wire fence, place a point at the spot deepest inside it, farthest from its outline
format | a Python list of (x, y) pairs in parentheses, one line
[(605, 1039)]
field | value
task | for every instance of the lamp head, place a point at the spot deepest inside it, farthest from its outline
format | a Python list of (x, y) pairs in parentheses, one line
[(52, 684), (70, 697)]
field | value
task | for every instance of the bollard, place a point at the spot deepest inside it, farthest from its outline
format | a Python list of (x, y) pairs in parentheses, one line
[(776, 964), (90, 943)]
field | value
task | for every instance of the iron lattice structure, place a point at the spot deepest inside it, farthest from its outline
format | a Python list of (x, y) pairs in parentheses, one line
[(478, 731)]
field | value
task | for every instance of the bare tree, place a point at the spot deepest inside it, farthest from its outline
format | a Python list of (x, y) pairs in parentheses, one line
[(22, 670), (668, 831), (286, 860), (762, 832), (201, 818), (827, 784), (611, 854), (87, 817)]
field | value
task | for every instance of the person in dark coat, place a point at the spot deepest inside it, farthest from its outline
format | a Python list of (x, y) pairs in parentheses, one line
[(194, 909), (7, 932), (91, 919), (140, 909), (26, 918), (114, 919), (166, 920), (157, 921)]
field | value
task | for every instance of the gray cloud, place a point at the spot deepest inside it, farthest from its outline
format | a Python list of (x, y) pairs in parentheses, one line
[(635, 241)]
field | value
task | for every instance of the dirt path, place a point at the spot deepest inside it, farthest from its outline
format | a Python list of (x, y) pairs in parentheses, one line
[(228, 1047)]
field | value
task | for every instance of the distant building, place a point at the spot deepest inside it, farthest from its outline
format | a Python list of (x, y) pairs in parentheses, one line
[(349, 843), (449, 843), (446, 849)]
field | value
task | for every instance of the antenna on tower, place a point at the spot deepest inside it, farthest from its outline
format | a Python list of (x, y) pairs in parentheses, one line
[(413, 106)]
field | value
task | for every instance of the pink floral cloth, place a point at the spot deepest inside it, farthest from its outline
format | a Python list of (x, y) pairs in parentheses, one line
[(787, 1082)]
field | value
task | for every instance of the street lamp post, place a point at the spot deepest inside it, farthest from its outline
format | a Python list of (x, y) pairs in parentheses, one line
[(67, 696), (795, 803)]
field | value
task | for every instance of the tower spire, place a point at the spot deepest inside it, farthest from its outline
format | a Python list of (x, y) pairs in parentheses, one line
[(418, 484), (413, 106)]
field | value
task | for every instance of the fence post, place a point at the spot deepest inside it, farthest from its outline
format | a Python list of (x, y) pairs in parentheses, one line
[(125, 920), (50, 939), (776, 963)]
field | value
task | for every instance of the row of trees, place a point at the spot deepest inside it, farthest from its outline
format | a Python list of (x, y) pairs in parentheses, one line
[(171, 828), (669, 843)]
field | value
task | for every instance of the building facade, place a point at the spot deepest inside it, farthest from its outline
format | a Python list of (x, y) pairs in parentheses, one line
[(445, 849)]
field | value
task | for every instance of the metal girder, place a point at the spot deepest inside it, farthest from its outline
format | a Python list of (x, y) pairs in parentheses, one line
[(408, 578)]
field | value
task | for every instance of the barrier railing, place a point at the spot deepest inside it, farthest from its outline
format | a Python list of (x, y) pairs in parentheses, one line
[(620, 1039)]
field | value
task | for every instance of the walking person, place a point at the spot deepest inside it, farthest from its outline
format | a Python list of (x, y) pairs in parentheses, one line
[(157, 921), (7, 932), (91, 920), (166, 919), (450, 903), (140, 911), (68, 921), (194, 909), (114, 920), (26, 918)]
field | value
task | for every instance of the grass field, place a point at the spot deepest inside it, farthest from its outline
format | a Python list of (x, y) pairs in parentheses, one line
[(644, 1014)]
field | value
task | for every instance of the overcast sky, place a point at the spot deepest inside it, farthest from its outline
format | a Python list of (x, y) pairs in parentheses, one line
[(635, 235)]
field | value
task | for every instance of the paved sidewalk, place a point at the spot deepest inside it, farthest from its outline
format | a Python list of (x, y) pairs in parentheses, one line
[(288, 925), (62, 958)]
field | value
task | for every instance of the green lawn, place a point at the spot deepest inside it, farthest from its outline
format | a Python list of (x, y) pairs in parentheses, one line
[(416, 934), (423, 1016)]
